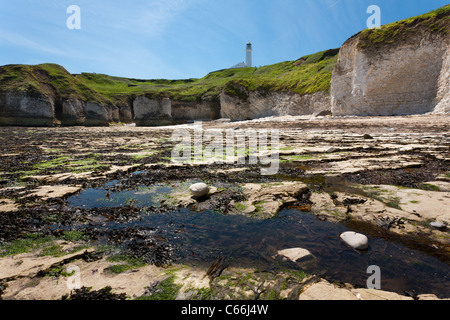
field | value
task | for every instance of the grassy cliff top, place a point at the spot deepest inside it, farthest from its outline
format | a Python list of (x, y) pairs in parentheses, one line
[(47, 79), (309, 74), (437, 21)]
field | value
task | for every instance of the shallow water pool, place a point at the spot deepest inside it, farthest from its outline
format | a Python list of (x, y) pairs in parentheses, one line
[(243, 241)]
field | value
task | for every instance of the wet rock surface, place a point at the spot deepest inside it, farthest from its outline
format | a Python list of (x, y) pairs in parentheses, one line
[(116, 187)]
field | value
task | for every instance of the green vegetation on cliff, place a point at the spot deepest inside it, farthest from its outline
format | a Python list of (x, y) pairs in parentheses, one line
[(309, 74), (46, 79), (437, 21)]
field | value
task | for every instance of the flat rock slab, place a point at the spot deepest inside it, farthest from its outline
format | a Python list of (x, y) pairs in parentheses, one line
[(89, 175), (365, 164), (7, 205), (324, 290), (60, 177), (296, 254), (29, 264), (265, 200), (433, 205), (59, 191), (443, 186)]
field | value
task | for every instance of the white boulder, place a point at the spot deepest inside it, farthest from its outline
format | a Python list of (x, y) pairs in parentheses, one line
[(199, 190), (355, 240), (438, 225)]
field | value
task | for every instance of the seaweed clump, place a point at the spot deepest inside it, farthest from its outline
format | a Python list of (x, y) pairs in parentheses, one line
[(85, 293)]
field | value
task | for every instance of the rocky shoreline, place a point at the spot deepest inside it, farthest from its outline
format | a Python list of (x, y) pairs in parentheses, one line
[(386, 184)]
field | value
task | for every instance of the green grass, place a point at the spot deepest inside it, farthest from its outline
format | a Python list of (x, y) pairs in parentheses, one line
[(309, 74), (437, 21), (308, 77)]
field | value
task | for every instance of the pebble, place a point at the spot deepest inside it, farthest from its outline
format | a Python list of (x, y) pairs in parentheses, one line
[(438, 225), (199, 190), (331, 150), (355, 240)]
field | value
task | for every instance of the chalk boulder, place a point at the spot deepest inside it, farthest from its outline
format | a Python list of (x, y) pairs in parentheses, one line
[(355, 240), (199, 190)]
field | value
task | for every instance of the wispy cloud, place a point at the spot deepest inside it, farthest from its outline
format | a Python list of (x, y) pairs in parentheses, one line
[(16, 39), (155, 16), (332, 3)]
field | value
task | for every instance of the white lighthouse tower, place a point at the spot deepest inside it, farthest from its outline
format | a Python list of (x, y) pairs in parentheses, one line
[(248, 57)]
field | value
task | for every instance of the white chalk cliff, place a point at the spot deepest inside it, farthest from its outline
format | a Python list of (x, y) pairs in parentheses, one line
[(411, 76)]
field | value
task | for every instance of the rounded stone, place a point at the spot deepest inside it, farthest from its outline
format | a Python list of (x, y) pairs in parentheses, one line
[(199, 190), (355, 240), (438, 225)]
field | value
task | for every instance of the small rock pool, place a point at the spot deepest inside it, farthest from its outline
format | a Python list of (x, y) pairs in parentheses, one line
[(202, 237)]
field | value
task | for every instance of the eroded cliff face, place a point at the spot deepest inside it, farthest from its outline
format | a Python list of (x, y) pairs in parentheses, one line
[(259, 104), (443, 94), (98, 114), (73, 112), (165, 111), (207, 109), (410, 77), (23, 109)]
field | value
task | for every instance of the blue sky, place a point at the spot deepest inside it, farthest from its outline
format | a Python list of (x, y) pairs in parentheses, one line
[(178, 39)]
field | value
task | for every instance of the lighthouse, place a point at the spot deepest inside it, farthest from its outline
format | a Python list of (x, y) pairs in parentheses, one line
[(248, 57)]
